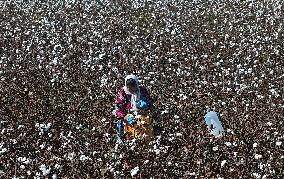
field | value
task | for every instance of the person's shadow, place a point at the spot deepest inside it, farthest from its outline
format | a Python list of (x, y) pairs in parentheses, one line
[(2, 168), (157, 128)]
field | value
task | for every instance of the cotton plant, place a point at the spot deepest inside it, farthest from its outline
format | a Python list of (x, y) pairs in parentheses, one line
[(223, 163), (44, 169), (257, 156), (3, 150), (215, 148), (84, 157), (229, 144), (134, 171)]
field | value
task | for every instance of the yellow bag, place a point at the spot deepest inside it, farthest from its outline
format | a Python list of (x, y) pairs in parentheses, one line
[(142, 128)]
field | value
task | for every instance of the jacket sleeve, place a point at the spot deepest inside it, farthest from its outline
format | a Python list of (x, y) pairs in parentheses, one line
[(120, 104), (146, 97)]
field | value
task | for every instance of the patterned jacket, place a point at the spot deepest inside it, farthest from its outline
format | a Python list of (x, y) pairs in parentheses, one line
[(123, 102)]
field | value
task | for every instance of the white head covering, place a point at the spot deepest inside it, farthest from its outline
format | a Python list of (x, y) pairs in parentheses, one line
[(136, 96)]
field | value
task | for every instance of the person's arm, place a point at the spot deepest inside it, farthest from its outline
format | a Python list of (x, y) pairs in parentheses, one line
[(120, 104), (145, 102)]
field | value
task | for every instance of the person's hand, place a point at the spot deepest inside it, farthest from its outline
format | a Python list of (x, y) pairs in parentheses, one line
[(143, 104), (130, 120)]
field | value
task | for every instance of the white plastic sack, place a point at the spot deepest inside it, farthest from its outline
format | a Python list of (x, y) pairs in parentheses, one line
[(212, 120)]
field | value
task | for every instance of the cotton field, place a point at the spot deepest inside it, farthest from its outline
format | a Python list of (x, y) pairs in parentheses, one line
[(63, 62)]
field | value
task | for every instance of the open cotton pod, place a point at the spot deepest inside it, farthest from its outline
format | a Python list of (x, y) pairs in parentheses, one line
[(214, 124)]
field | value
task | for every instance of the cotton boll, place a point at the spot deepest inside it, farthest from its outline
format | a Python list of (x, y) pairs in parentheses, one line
[(132, 147), (45, 171), (14, 141), (26, 162), (257, 175), (254, 145), (223, 163), (111, 169), (42, 146), (257, 156), (104, 81), (269, 123), (19, 159), (176, 116), (261, 166), (55, 61), (250, 70), (274, 92), (243, 86), (71, 155), (178, 134), (215, 148), (23, 160), (3, 150), (260, 96), (239, 66), (157, 151), (83, 158), (106, 134), (164, 112), (228, 144), (100, 159), (57, 166), (278, 143), (134, 171), (184, 97), (79, 126), (146, 161)]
